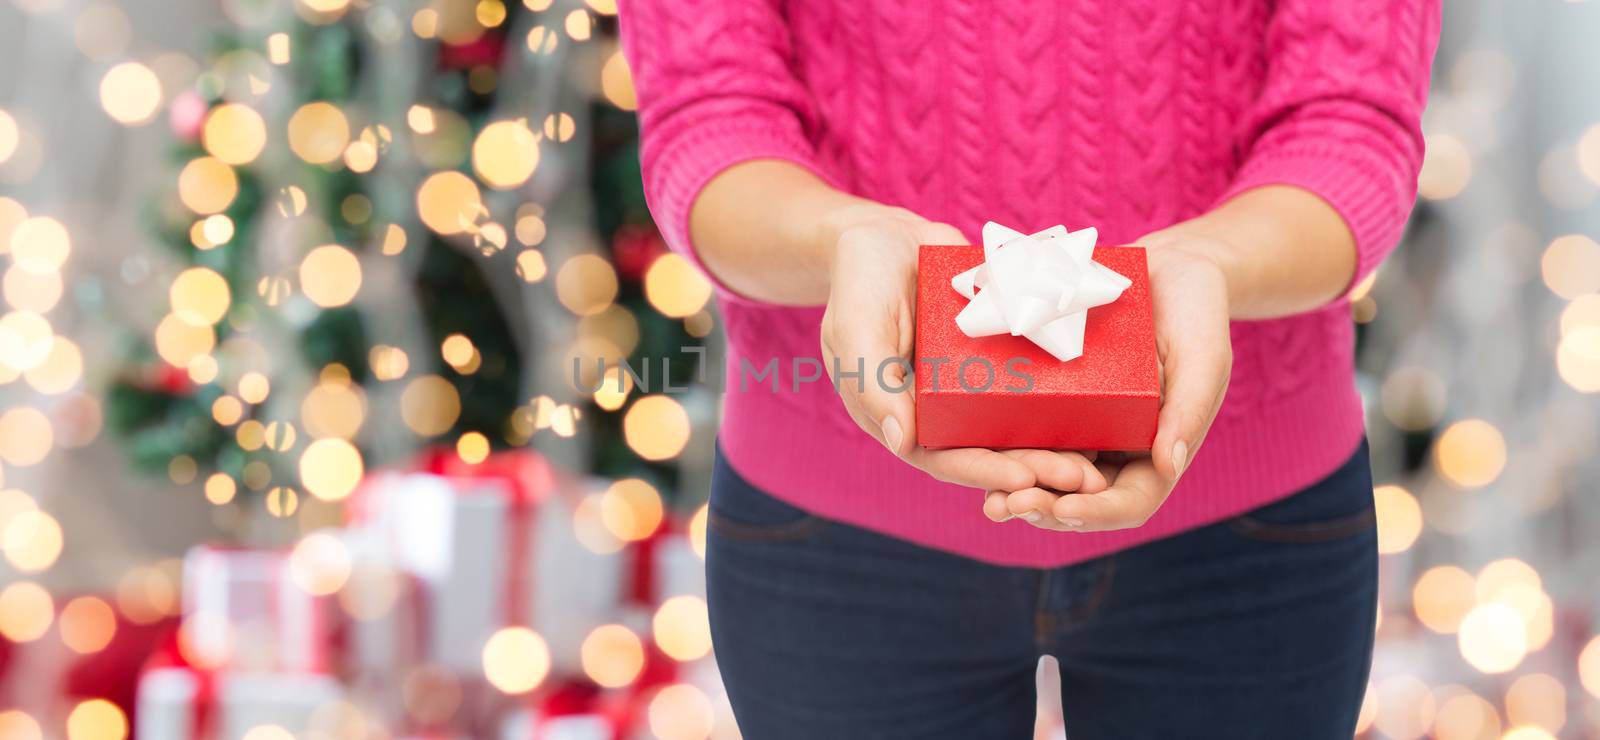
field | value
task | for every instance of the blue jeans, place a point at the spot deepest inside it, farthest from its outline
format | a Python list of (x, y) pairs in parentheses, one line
[(1260, 626)]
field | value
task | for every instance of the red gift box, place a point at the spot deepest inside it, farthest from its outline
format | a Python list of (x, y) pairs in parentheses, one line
[(1108, 399)]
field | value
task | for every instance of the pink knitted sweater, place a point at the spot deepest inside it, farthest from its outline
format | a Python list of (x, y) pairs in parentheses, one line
[(1127, 116)]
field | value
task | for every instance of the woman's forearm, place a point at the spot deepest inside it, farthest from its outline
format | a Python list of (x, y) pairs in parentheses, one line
[(766, 229), (1283, 250)]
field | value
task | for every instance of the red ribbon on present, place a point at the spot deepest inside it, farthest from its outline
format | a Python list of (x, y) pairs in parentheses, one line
[(202, 707), (112, 673), (577, 698), (641, 586)]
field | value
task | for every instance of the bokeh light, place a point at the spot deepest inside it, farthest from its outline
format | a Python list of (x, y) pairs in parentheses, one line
[(1571, 266), (200, 296), (1527, 733), (234, 133), (586, 284), (1539, 700), (32, 541), (1442, 597), (1470, 453), (681, 712), (60, 371), (430, 405), (268, 732), (320, 564), (1399, 518), (516, 660), (612, 655), (675, 287), (449, 203), (330, 276), (40, 245), (26, 611), (318, 132), (656, 427), (1493, 638), (1466, 716), (631, 509), (16, 724), (1589, 667), (96, 719), (330, 468), (25, 340), (26, 436), (179, 342), (616, 82), (682, 628), (334, 409), (472, 448), (1446, 168), (1578, 359), (130, 93), (10, 135), (207, 185), (1405, 707), (87, 624), (505, 154)]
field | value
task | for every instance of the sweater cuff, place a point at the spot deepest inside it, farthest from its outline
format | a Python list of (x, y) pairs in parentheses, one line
[(689, 161), (1365, 193)]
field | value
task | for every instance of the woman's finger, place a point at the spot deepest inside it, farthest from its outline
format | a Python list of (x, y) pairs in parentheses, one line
[(1196, 369), (972, 466), (1033, 505), (1133, 497), (1094, 479), (994, 506), (864, 346), (851, 401), (1063, 471)]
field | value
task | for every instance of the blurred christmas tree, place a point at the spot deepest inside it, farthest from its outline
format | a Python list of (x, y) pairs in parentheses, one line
[(346, 246)]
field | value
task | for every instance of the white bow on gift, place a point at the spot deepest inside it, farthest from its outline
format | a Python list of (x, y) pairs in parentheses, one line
[(1040, 287)]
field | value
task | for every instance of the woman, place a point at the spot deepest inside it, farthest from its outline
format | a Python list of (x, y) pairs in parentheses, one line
[(861, 586)]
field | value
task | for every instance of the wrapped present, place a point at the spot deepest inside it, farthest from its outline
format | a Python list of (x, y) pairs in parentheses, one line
[(389, 628), (95, 651), (657, 568), (489, 545), (1042, 341), (243, 611), (573, 711), (253, 649), (580, 710), (177, 702)]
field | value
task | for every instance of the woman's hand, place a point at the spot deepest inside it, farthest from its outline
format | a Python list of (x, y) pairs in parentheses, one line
[(1190, 299), (870, 323)]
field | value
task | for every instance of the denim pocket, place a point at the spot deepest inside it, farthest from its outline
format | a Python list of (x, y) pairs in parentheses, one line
[(740, 511), (1337, 507)]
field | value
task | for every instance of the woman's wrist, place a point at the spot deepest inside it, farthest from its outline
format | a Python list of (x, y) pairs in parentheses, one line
[(851, 215), (1283, 250), (1175, 256)]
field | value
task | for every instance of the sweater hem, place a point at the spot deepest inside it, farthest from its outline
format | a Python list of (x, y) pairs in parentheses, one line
[(1250, 458)]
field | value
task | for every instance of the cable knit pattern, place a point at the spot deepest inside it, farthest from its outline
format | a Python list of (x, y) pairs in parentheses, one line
[(1127, 116)]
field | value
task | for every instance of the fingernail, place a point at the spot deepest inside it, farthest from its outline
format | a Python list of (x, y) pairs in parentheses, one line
[(1180, 455), (892, 433), (1009, 517), (1032, 516), (1072, 522)]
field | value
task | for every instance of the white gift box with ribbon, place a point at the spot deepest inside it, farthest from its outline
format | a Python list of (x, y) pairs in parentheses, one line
[(1038, 286), (172, 704)]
